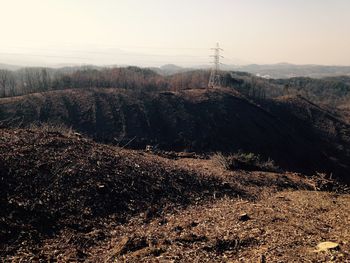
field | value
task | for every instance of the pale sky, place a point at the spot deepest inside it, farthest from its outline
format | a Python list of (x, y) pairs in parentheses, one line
[(156, 32)]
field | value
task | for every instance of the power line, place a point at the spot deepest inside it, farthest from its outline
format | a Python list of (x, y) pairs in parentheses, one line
[(215, 78)]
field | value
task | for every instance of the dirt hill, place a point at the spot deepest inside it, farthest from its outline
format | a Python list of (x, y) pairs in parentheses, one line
[(67, 198), (50, 181), (296, 134)]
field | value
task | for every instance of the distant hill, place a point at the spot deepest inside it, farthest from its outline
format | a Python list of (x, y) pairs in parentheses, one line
[(278, 71), (288, 130), (171, 69), (275, 71), (334, 91), (9, 67), (285, 70)]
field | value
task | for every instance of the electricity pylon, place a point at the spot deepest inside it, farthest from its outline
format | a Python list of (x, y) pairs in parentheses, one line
[(215, 78)]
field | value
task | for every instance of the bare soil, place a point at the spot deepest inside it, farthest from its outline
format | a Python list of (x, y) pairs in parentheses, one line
[(66, 198)]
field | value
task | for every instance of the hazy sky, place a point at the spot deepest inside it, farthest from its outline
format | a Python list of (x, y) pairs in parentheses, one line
[(155, 32)]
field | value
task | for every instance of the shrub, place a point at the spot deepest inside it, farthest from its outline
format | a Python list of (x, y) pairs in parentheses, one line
[(244, 161), (220, 160)]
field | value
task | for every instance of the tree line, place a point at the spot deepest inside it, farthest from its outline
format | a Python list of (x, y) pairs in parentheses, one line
[(25, 81), (32, 80)]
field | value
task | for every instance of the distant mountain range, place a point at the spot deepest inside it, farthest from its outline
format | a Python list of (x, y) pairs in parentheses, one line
[(285, 70), (9, 67), (274, 71)]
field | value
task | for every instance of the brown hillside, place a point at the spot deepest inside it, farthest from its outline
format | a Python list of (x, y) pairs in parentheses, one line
[(66, 198), (295, 133), (51, 180)]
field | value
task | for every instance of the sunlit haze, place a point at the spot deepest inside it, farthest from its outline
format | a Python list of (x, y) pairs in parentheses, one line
[(157, 32)]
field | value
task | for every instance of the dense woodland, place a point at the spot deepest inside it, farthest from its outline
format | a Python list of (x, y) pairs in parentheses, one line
[(332, 91)]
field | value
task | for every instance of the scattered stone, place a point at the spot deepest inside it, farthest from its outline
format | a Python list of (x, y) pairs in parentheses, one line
[(244, 217), (178, 229), (325, 246), (149, 148)]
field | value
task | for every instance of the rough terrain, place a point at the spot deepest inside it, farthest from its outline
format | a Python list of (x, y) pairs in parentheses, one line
[(297, 134), (67, 198)]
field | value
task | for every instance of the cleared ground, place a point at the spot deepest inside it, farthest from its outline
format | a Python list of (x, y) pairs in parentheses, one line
[(66, 198)]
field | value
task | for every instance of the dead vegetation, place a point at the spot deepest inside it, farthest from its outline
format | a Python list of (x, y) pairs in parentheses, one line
[(287, 130), (67, 198), (51, 180), (244, 161), (279, 229)]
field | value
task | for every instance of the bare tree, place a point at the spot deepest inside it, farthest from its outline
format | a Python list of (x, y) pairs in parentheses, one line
[(7, 83), (44, 80)]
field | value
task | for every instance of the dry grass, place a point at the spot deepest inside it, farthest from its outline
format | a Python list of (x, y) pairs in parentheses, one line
[(53, 128), (244, 161)]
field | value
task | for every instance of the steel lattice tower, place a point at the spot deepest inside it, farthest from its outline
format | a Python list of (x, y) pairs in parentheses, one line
[(215, 78)]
